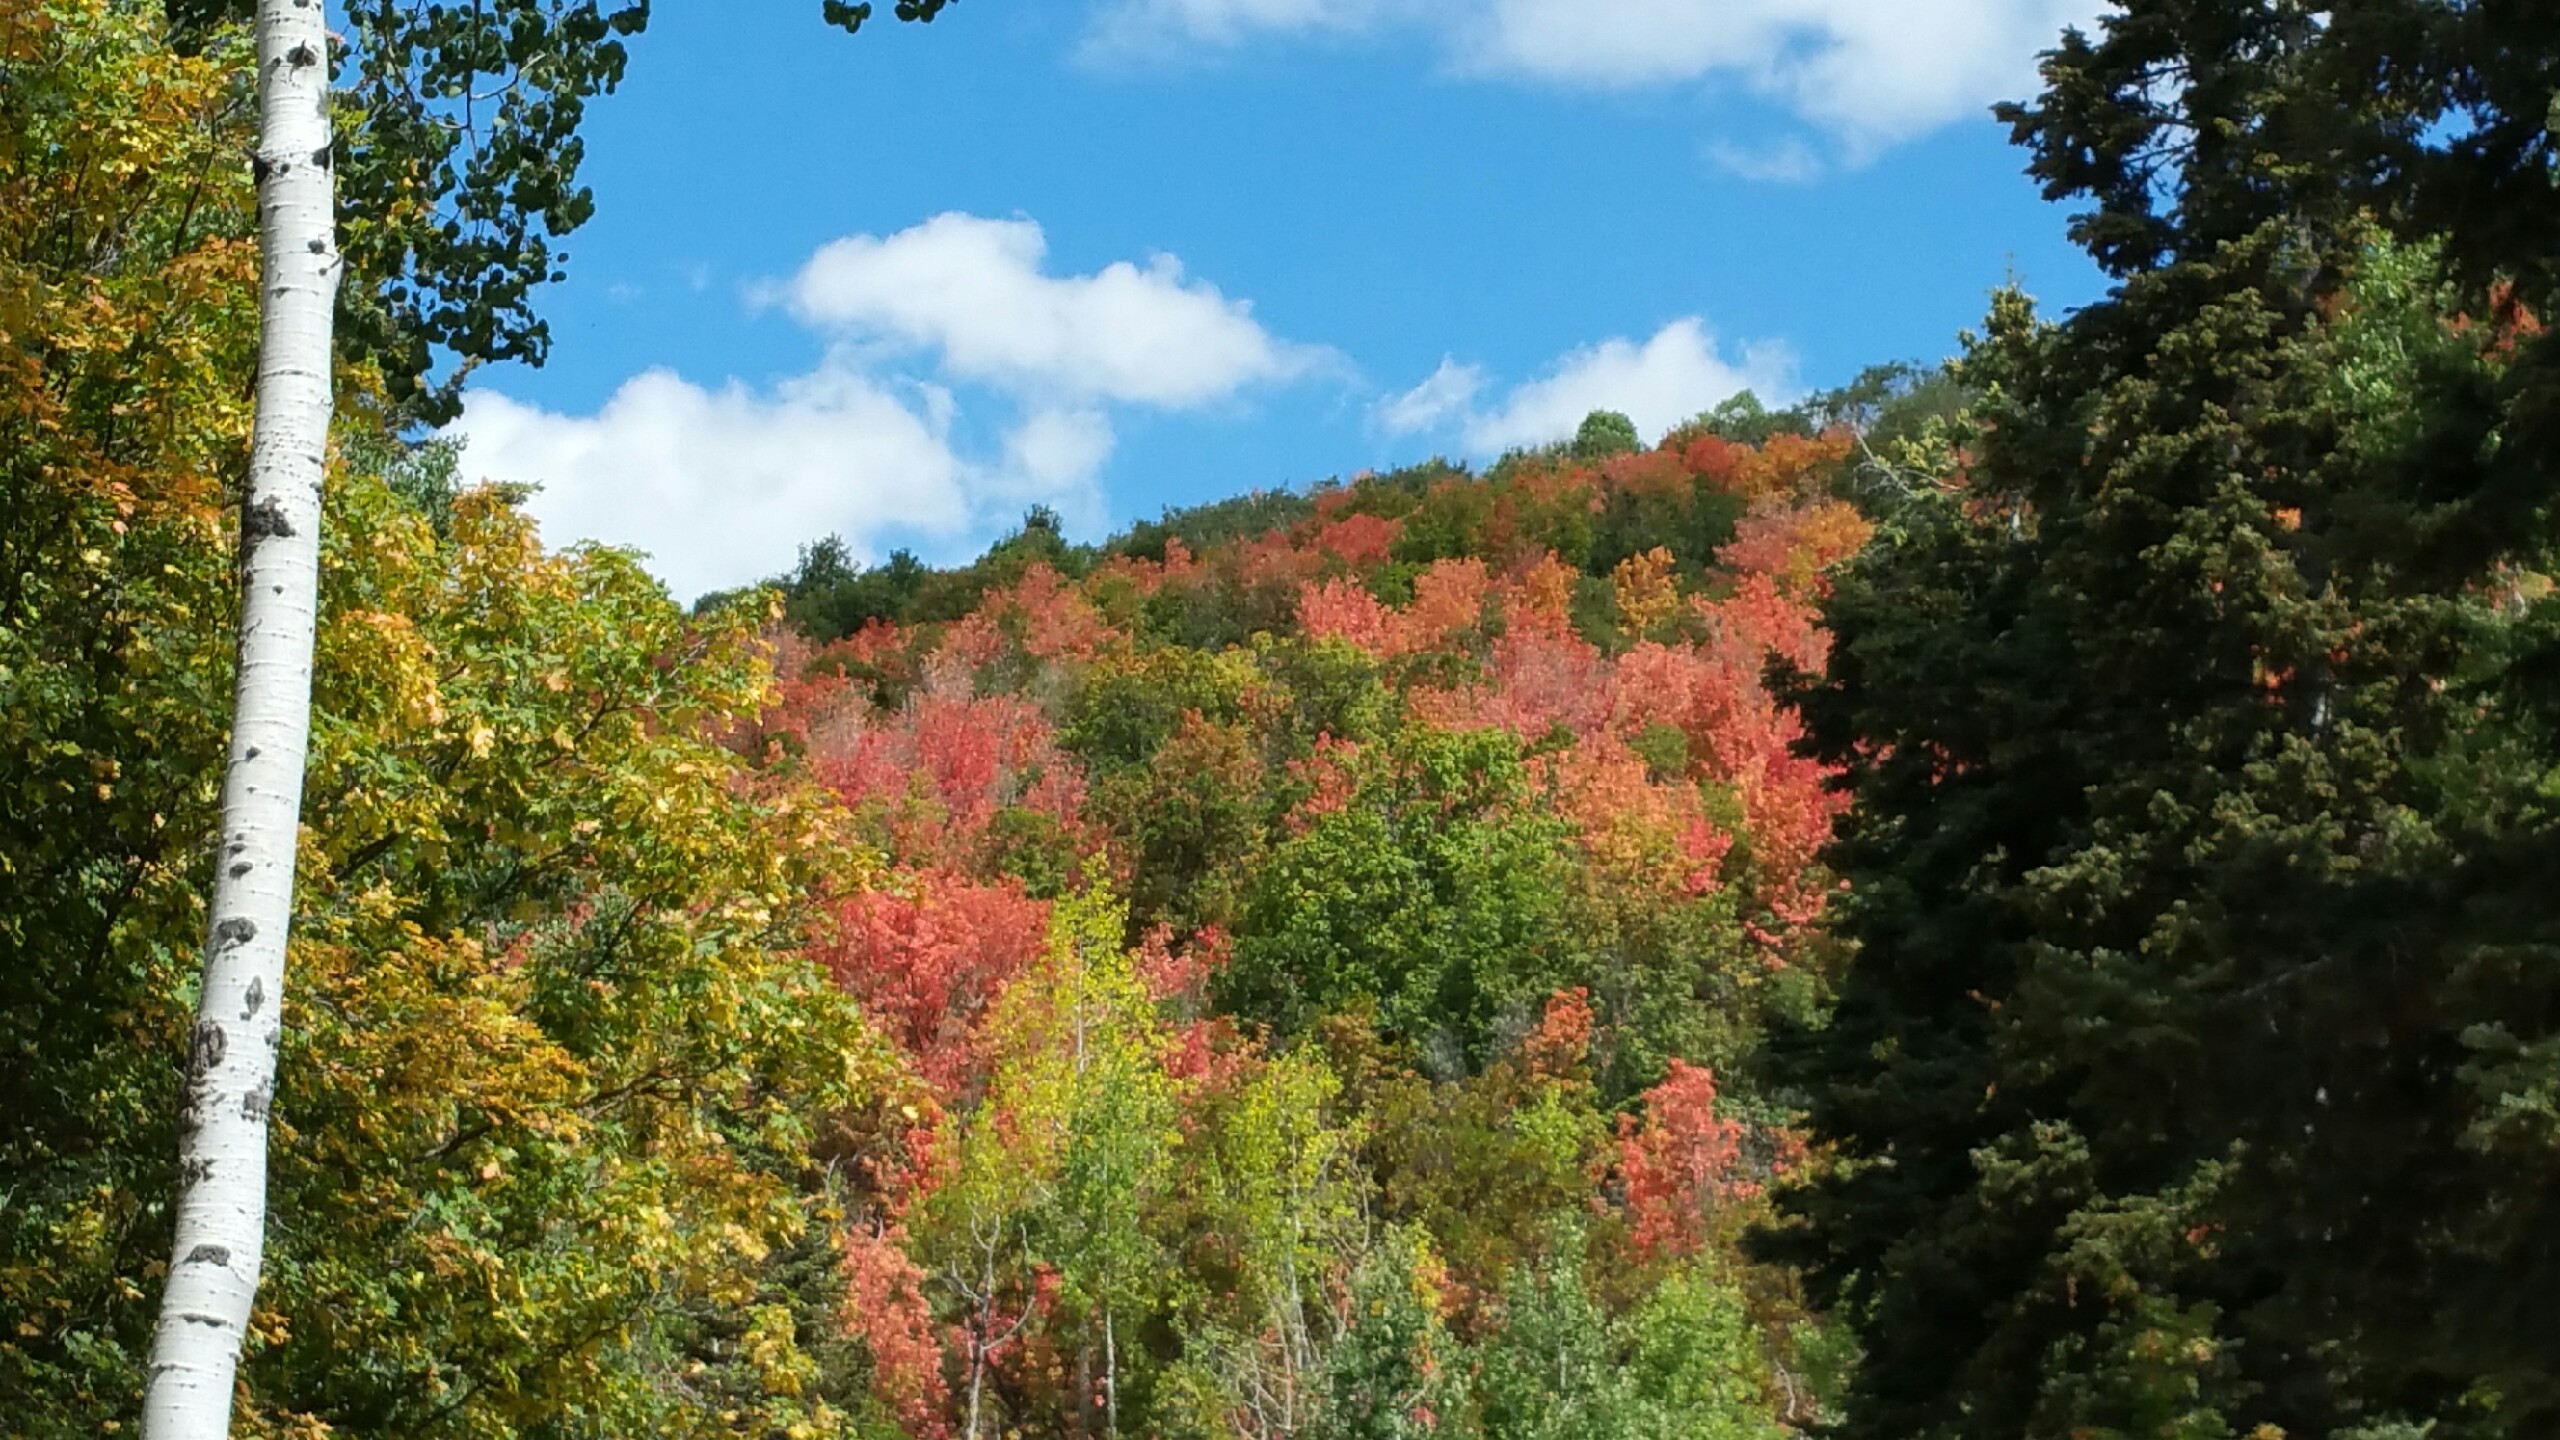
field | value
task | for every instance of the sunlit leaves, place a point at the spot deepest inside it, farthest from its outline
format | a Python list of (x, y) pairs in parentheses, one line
[(1643, 589)]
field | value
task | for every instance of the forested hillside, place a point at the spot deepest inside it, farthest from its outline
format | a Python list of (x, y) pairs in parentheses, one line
[(2012, 898), (1328, 940)]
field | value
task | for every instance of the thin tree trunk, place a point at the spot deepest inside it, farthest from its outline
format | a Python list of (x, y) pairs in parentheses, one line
[(1110, 1377), (977, 1384), (1085, 1403), (222, 1121), (983, 1327)]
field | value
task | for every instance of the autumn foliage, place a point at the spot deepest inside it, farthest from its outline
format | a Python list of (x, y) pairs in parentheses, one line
[(1203, 986), (1436, 769)]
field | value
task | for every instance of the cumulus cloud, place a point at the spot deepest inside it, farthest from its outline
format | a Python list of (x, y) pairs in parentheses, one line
[(720, 485), (1447, 394), (974, 291), (1058, 449), (1867, 73), (1658, 383)]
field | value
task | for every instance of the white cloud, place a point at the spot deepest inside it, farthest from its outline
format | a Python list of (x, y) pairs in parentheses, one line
[(1785, 162), (1156, 26), (720, 486), (973, 290), (1448, 393), (1867, 73), (1056, 449), (1658, 384)]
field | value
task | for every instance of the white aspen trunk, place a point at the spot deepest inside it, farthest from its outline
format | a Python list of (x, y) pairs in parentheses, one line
[(1291, 1327), (984, 1328), (977, 1381), (222, 1122)]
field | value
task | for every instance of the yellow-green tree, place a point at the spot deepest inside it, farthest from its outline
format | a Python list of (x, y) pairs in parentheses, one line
[(555, 1062), (1269, 1214), (1039, 1230)]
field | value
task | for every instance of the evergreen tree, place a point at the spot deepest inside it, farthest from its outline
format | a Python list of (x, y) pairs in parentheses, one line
[(2178, 1084)]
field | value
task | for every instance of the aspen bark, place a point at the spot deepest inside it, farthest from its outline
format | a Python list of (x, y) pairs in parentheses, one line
[(222, 1146), (1110, 1376)]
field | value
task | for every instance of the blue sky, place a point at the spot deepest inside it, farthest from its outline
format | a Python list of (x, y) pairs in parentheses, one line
[(1114, 255)]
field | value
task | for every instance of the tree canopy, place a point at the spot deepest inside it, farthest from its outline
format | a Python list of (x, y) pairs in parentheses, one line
[(2179, 1083), (2005, 898)]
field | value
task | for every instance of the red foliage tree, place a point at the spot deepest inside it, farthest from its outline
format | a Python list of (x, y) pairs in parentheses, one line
[(1654, 473), (936, 774), (1714, 459), (885, 1307), (1537, 678), (1324, 782), (1050, 618), (926, 963), (1342, 609), (1678, 1165), (1358, 543)]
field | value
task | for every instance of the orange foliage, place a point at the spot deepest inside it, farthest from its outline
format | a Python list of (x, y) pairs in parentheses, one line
[(1448, 606), (1273, 560), (1560, 1047), (968, 646), (1344, 610), (802, 701), (1326, 780), (1715, 459), (1053, 619), (1448, 598), (1331, 497), (1784, 800), (1786, 463), (1794, 544), (1648, 834), (1133, 575), (1532, 505), (2511, 321), (1757, 619), (1659, 473), (1539, 677), (1542, 597), (1741, 737)]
